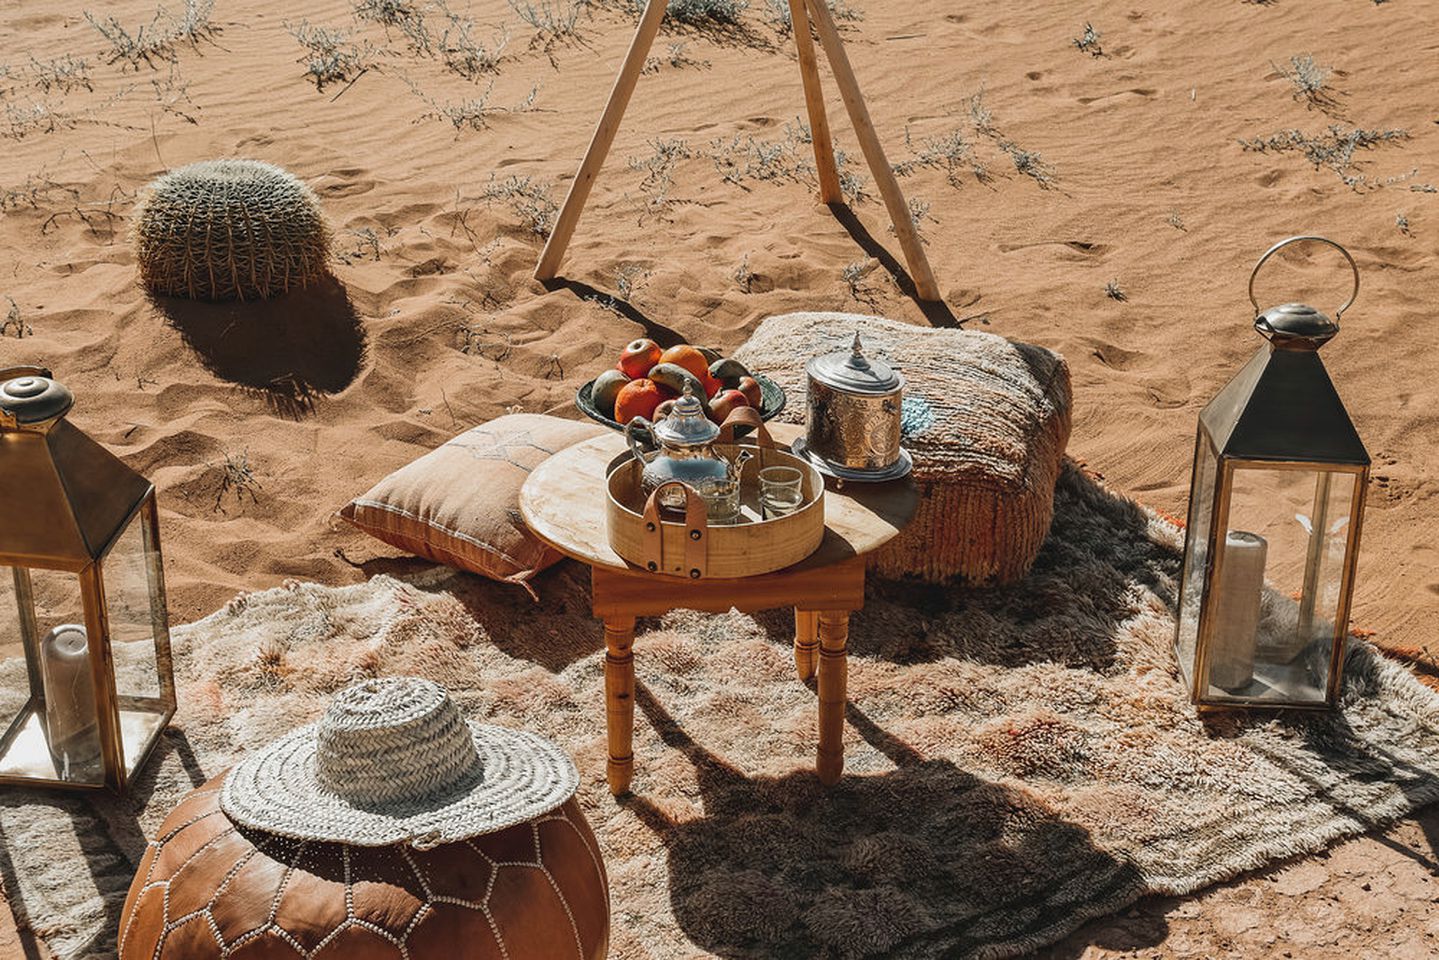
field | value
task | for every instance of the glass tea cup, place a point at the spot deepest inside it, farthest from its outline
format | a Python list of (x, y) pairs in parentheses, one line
[(781, 491), (721, 497)]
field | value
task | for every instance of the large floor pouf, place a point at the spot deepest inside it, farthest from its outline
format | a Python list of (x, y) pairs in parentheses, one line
[(229, 229), (986, 420), (210, 887)]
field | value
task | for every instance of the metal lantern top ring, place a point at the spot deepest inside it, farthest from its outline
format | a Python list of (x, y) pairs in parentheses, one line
[(1297, 321)]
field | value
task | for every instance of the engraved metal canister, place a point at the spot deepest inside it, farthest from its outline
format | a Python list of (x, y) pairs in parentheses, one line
[(853, 416)]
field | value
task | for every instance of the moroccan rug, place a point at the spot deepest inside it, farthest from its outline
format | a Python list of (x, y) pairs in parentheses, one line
[(1018, 760)]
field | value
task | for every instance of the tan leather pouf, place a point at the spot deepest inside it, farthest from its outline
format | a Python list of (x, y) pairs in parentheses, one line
[(210, 888)]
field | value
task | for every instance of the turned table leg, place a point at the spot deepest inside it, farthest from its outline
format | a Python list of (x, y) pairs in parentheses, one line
[(620, 701), (806, 642), (833, 675)]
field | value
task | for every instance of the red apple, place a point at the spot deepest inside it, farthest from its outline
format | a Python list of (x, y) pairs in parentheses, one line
[(749, 386), (638, 357), (726, 403)]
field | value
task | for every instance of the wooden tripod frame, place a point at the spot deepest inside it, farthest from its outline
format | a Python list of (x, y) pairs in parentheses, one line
[(802, 14)]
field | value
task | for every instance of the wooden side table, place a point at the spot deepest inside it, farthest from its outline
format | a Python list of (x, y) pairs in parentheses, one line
[(563, 503)]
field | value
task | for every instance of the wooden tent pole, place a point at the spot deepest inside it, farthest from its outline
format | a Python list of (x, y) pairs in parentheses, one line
[(829, 190), (879, 166), (603, 139)]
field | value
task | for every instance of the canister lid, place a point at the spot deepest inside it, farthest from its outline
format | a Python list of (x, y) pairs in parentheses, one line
[(853, 372)]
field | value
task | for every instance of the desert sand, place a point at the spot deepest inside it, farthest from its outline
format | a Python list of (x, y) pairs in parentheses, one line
[(1096, 200)]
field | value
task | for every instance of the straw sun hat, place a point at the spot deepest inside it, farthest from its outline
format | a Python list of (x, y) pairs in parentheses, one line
[(392, 761)]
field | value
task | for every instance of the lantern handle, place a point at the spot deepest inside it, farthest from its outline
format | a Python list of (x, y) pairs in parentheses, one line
[(1284, 243)]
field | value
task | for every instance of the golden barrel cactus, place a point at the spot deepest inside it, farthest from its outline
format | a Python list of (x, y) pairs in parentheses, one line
[(229, 229)]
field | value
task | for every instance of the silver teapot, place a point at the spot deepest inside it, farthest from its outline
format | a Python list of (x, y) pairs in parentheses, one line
[(686, 450)]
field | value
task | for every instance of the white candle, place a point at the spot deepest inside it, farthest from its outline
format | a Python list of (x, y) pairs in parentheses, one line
[(1236, 610), (71, 723)]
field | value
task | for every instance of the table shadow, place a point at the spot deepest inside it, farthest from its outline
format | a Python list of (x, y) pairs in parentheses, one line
[(925, 860)]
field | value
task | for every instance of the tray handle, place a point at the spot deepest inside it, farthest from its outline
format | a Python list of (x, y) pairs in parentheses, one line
[(696, 531), (746, 417)]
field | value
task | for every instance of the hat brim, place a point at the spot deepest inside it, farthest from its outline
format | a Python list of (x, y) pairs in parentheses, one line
[(521, 776)]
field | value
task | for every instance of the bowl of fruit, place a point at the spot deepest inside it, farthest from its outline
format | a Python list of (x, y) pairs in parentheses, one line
[(647, 379)]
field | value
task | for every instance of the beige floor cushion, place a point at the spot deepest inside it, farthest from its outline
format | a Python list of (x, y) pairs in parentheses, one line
[(460, 504), (986, 420)]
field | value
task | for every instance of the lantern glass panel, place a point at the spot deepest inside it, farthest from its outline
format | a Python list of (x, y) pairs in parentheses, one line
[(134, 599), (54, 734), (1196, 548), (14, 672), (1274, 613)]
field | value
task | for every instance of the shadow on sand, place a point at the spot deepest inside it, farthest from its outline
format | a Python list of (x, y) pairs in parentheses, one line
[(926, 860), (290, 350)]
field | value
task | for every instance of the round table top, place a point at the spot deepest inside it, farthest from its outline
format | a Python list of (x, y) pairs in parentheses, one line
[(563, 502)]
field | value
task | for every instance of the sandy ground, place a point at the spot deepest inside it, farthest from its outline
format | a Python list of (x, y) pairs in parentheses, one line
[(256, 423)]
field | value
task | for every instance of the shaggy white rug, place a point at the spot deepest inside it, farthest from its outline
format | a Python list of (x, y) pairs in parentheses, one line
[(1019, 759)]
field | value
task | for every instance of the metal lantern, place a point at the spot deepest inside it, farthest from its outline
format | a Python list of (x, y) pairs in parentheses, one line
[(1274, 514), (85, 676)]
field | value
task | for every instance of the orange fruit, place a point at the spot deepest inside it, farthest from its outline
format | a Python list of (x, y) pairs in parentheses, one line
[(684, 355), (638, 357), (638, 398)]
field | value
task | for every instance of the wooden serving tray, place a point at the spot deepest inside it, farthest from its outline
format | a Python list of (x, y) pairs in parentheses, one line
[(750, 547)]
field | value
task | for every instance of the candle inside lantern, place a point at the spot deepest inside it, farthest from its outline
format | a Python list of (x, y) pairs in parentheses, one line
[(1236, 609), (71, 721)]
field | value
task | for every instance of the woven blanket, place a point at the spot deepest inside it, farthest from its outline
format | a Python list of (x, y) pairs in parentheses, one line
[(986, 420), (1018, 759)]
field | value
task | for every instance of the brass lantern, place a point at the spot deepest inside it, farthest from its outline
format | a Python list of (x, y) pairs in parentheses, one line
[(1274, 514), (85, 676)]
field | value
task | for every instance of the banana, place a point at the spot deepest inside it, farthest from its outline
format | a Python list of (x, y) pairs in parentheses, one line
[(709, 353)]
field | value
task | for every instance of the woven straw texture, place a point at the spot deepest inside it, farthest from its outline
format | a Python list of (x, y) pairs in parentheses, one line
[(229, 230), (1017, 759), (392, 761), (986, 420)]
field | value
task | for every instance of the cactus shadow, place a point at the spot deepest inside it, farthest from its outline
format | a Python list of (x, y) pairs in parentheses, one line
[(290, 349)]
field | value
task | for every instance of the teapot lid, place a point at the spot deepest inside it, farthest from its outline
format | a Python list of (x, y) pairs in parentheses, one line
[(687, 425), (853, 372)]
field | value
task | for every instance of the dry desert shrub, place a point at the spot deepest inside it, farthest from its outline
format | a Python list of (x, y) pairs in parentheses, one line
[(463, 54), (1333, 149), (157, 40), (528, 198), (744, 276), (675, 57), (777, 13), (13, 322), (60, 74), (707, 11), (229, 229), (1310, 80), (331, 55), (552, 20), (1088, 41), (950, 152), (406, 16)]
